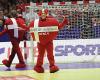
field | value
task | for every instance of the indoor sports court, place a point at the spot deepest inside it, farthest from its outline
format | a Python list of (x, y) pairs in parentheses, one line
[(76, 48)]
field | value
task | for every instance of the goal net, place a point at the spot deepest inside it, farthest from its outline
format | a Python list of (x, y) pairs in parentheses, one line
[(84, 20)]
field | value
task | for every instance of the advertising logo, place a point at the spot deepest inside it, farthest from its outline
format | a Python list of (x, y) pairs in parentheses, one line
[(77, 50)]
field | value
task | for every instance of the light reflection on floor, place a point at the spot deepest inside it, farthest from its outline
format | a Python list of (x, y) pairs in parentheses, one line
[(69, 71)]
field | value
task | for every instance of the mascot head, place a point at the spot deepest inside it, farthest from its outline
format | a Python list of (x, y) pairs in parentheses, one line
[(43, 14)]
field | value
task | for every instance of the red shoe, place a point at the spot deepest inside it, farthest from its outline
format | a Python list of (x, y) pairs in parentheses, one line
[(54, 69), (39, 69), (6, 63), (20, 65)]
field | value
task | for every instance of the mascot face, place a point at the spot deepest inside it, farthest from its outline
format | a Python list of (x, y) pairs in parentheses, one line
[(43, 14)]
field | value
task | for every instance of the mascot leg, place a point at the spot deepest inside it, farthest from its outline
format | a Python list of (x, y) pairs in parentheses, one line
[(53, 67), (15, 50), (15, 43), (38, 67), (8, 63), (21, 63)]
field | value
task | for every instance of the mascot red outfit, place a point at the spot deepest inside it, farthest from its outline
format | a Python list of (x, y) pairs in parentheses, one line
[(46, 40), (15, 38)]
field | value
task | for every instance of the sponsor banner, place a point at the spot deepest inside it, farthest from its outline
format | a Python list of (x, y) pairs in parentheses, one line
[(29, 51), (5, 51), (78, 50)]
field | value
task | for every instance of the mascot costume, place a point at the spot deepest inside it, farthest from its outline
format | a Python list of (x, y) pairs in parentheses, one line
[(15, 28), (47, 29)]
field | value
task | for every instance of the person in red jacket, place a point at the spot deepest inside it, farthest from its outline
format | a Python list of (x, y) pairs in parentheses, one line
[(15, 28), (45, 39)]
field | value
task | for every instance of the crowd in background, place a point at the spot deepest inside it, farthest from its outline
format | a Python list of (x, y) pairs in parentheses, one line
[(6, 4)]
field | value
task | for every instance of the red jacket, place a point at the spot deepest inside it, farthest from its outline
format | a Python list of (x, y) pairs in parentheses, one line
[(45, 37)]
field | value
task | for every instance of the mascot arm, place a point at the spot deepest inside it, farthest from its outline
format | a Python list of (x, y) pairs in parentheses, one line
[(8, 22), (3, 32), (22, 24), (31, 24), (63, 23)]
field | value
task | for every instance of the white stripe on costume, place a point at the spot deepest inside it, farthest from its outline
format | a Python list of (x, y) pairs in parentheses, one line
[(45, 29), (36, 22), (14, 26)]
